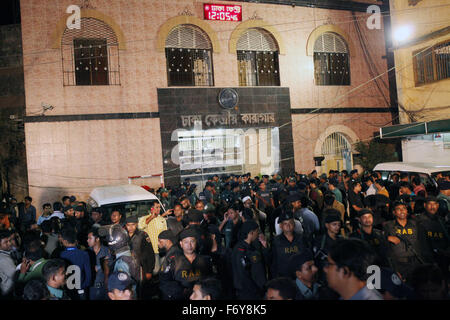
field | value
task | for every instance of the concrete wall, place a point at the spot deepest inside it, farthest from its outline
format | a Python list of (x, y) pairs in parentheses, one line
[(13, 166)]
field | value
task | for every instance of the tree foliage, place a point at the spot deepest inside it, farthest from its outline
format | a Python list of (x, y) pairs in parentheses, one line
[(373, 152)]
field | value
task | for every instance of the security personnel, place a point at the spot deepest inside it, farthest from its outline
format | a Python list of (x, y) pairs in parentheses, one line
[(141, 249), (181, 273), (203, 235), (374, 237), (117, 239), (236, 194), (249, 273), (246, 186), (435, 233), (407, 243), (323, 243), (285, 246), (292, 187), (165, 200), (226, 196)]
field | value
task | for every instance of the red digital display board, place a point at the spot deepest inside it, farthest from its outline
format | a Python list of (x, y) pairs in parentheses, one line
[(222, 12)]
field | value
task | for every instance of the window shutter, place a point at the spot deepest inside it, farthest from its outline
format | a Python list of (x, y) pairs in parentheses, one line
[(188, 37), (256, 40)]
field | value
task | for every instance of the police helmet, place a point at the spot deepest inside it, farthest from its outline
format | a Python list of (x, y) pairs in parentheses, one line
[(115, 235)]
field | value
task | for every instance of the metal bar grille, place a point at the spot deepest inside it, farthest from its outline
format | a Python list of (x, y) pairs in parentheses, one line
[(258, 68), (90, 55), (189, 67), (432, 64), (331, 69), (335, 144)]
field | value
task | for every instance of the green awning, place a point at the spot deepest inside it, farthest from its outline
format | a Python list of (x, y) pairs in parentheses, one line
[(415, 129)]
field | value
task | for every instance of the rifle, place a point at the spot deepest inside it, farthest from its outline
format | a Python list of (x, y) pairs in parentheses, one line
[(409, 246)]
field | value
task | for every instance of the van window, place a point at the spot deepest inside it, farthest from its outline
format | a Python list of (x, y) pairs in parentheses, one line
[(139, 208)]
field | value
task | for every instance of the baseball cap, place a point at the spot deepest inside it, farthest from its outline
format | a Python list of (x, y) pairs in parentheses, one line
[(296, 261), (119, 281), (186, 233), (294, 197), (391, 283)]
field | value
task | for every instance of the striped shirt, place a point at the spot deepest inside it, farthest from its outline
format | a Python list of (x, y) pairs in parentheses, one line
[(153, 229)]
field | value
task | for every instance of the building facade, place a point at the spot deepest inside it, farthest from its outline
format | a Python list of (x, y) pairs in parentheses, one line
[(153, 87), (421, 45)]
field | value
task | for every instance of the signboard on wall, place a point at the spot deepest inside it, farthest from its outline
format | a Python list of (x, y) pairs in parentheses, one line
[(222, 12)]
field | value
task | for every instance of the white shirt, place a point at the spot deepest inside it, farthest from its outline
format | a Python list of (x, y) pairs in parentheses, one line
[(57, 214), (371, 191)]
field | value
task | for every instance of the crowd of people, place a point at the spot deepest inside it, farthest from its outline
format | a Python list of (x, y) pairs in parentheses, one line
[(301, 237)]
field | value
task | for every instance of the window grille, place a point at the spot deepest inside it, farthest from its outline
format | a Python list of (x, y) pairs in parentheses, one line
[(331, 60), (189, 57), (90, 55), (432, 64), (257, 55)]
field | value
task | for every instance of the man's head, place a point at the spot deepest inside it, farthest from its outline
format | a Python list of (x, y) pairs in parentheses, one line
[(208, 289), (295, 201), (194, 216), (69, 237), (96, 215), (431, 205), (120, 286), (400, 210), (365, 217), (66, 201), (178, 212), (79, 212), (303, 268), (405, 188), (47, 209), (116, 216), (262, 186), (5, 240), (69, 211), (249, 231), (185, 203), (166, 239), (281, 289), (93, 238), (328, 199), (356, 187), (36, 289), (33, 250), (28, 200), (131, 224), (354, 174), (57, 206), (332, 221), (286, 222), (199, 205), (54, 273), (347, 262), (247, 202), (188, 241)]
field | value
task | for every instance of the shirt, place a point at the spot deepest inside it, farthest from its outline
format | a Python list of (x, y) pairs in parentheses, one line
[(308, 219), (338, 194), (57, 293), (367, 294), (81, 259), (307, 292), (35, 271), (153, 229), (103, 254)]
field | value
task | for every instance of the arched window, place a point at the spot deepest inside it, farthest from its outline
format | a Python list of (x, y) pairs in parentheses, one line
[(331, 60), (90, 54), (189, 57), (257, 53)]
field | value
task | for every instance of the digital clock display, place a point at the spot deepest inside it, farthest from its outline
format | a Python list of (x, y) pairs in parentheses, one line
[(222, 12)]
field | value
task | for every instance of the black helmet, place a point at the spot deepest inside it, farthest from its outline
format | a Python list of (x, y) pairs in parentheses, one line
[(116, 236)]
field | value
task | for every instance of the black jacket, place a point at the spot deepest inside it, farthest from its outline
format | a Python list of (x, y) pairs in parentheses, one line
[(142, 250), (282, 250)]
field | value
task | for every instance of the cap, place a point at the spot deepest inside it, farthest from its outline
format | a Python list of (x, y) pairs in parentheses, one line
[(296, 261), (246, 199), (167, 235), (444, 185), (195, 215), (294, 197), (353, 171), (292, 179), (73, 199), (431, 199), (332, 216), (323, 176), (67, 208), (234, 185), (163, 190), (132, 219), (186, 233), (79, 208), (363, 212), (394, 285), (265, 176), (119, 281), (285, 216)]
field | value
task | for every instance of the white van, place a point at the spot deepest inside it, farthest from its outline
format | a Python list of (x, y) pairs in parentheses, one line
[(426, 171), (130, 199)]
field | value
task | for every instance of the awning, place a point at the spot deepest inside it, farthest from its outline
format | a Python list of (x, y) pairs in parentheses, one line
[(415, 129)]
